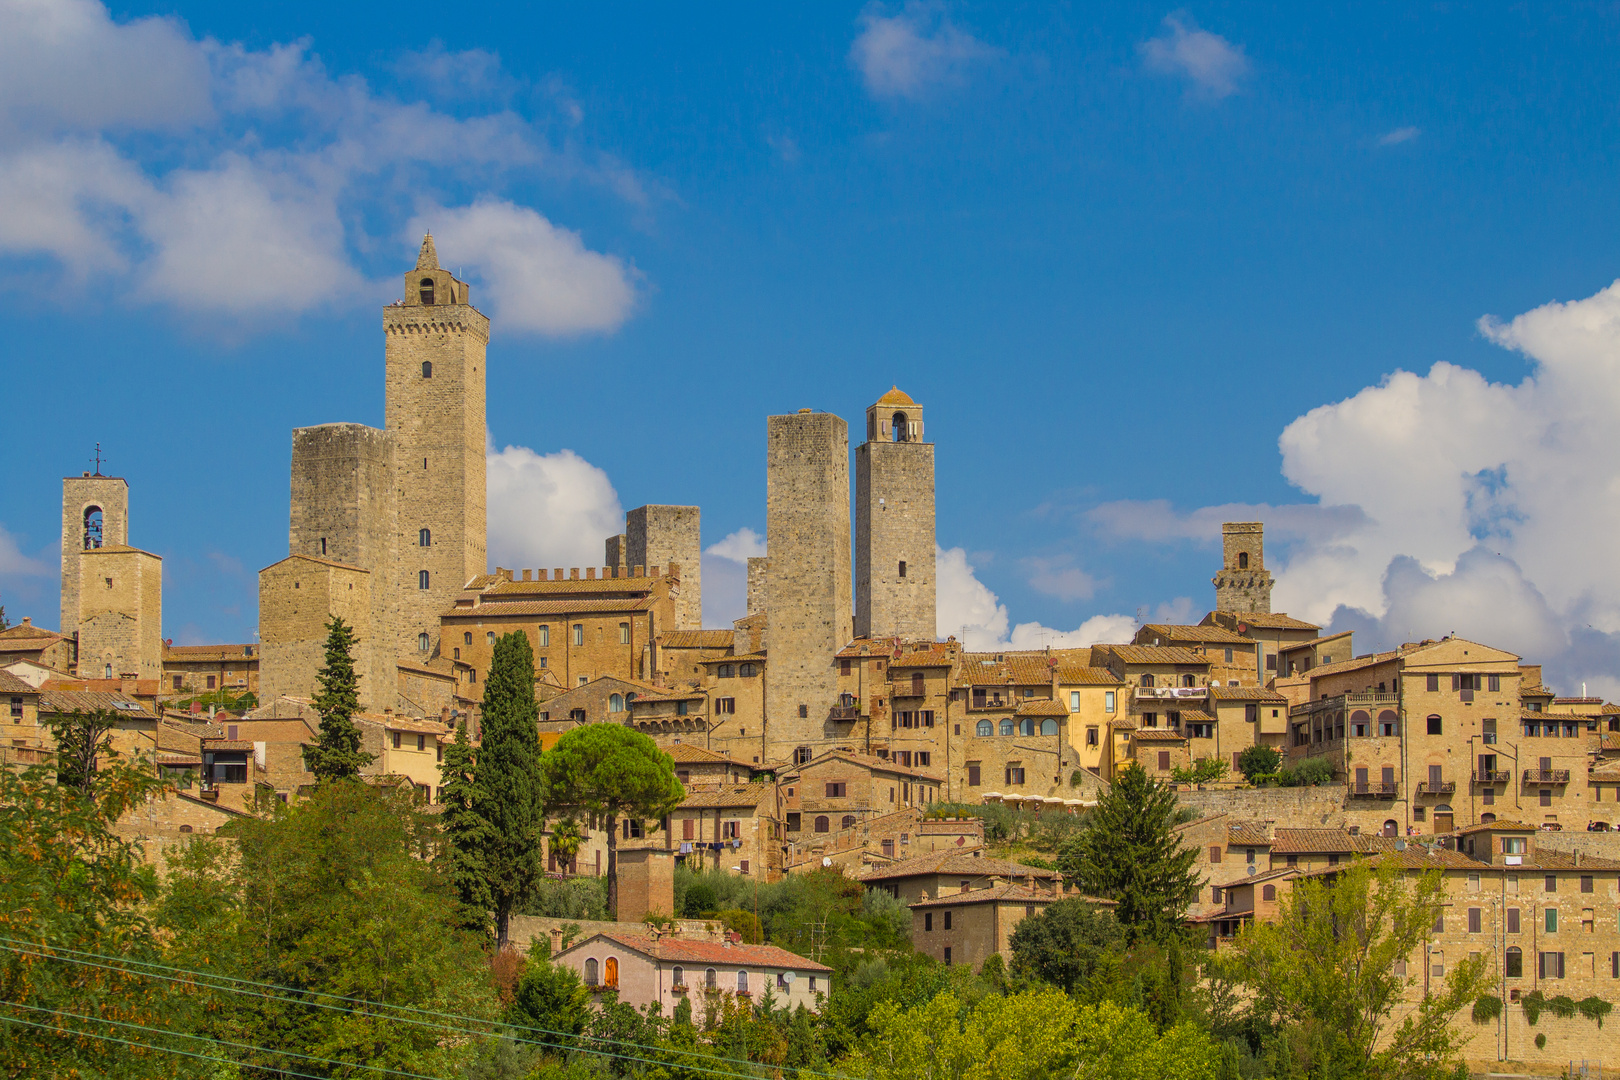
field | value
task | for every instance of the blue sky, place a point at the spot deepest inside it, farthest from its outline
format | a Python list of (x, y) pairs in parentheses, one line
[(1146, 267)]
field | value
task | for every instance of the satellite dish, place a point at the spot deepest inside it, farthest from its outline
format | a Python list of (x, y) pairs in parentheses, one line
[(1251, 871), (826, 860), (787, 977)]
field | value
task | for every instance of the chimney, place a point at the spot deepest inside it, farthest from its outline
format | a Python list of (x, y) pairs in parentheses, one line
[(556, 940), (27, 621)]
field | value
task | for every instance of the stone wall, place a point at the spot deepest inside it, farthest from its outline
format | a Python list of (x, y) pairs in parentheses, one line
[(808, 588), (1301, 807), (436, 417), (296, 598), (79, 495), (894, 540), (120, 618), (1248, 587), (660, 535), (758, 567)]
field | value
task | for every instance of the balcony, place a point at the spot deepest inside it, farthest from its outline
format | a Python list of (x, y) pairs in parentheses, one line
[(844, 712), (991, 703), (1493, 776), (1374, 790), (1546, 776), (1437, 787), (1170, 693)]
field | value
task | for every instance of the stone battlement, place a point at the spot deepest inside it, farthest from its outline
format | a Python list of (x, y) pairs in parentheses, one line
[(608, 573)]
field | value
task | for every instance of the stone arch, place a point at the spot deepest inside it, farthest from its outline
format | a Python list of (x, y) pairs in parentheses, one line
[(94, 522), (902, 427), (425, 291)]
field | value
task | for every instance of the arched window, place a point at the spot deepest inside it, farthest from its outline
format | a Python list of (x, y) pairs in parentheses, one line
[(984, 727), (708, 978), (1006, 727), (1392, 828), (1026, 726), (590, 972), (108, 675), (728, 671), (746, 671), (1268, 892), (489, 636), (1513, 967), (427, 369), (610, 973), (425, 291), (1049, 726), (422, 641), (678, 975), (822, 824), (92, 527), (615, 703), (466, 639), (1189, 680), (422, 579), (1486, 818), (1147, 678), (742, 982), (424, 538), (1243, 560), (848, 822)]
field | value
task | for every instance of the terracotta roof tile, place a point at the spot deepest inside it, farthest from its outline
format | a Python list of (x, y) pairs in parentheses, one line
[(952, 863), (1157, 654), (736, 795), (1083, 675), (1172, 632), (1041, 707), (1248, 833), (66, 701), (697, 639), (1014, 894), (1246, 693), (10, 684), (707, 952), (1153, 734), (1312, 841), (688, 754), (1271, 621), (895, 396)]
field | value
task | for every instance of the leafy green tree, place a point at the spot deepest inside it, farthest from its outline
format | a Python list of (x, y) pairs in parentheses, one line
[(81, 737), (551, 998), (1066, 944), (609, 771), (70, 881), (566, 840), (1259, 761), (1312, 772), (1203, 771), (335, 754), (467, 834), (509, 783), (1128, 851), (1323, 973), (338, 894)]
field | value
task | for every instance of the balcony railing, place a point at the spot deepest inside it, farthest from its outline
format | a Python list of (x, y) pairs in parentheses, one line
[(1546, 776), (844, 712), (1374, 790), (1437, 787), (991, 703), (1493, 776), (1170, 693)]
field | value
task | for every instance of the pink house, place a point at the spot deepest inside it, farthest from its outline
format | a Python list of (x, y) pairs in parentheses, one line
[(648, 967)]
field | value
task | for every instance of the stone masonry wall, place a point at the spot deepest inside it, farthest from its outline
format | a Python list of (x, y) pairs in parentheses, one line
[(660, 535), (296, 597), (808, 588), (1301, 807), (1245, 588), (79, 494), (758, 567), (894, 527), (120, 613)]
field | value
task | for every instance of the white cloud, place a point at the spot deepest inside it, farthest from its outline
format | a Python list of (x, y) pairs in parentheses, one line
[(967, 609), (1057, 576), (1447, 502), (738, 547), (14, 563), (1399, 135), (258, 166), (66, 66), (538, 277), (549, 510), (909, 54), (1214, 66)]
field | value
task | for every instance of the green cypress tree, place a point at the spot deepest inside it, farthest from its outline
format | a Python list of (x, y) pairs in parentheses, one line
[(1128, 851), (466, 832), (336, 753), (508, 792)]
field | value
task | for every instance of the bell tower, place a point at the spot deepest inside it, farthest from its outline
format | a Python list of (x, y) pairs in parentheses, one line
[(435, 413), (1243, 583), (894, 523)]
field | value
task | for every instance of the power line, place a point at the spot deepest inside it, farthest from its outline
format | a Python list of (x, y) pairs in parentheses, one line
[(147, 1046), (207, 979)]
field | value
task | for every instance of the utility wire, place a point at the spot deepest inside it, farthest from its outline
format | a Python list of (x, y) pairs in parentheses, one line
[(148, 1046), (197, 975), (11, 945)]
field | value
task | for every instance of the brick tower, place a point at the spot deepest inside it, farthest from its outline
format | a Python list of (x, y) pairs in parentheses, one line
[(807, 595), (1243, 583), (435, 413), (894, 523)]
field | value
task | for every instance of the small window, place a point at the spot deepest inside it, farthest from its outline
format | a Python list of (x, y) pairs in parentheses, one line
[(1551, 883), (1473, 920), (748, 671), (624, 633), (1432, 684), (466, 638), (902, 568), (1434, 725), (804, 712), (423, 642), (678, 976), (422, 579), (823, 824), (1552, 920), (1214, 853), (742, 982), (1108, 701), (1092, 735), (848, 822), (1243, 560), (1007, 727), (591, 969), (425, 290), (1268, 893), (489, 637), (615, 703), (1513, 964), (579, 633), (427, 365), (708, 978), (1049, 726), (424, 538)]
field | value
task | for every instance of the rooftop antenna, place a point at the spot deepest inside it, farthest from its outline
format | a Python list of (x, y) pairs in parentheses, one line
[(98, 459)]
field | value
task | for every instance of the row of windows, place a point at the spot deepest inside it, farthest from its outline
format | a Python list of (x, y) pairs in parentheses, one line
[(732, 671), (1009, 726)]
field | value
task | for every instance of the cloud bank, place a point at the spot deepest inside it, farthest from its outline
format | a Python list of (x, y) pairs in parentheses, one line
[(969, 611), (548, 510), (914, 52)]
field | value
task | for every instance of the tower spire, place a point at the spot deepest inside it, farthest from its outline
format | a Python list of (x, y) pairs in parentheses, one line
[(428, 257)]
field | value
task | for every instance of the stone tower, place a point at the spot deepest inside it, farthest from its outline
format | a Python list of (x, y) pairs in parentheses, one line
[(807, 593), (435, 414), (660, 535), (1243, 583), (894, 523), (95, 514)]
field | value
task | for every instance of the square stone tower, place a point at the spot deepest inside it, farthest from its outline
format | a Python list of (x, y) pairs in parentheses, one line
[(296, 598), (807, 593), (1243, 583), (435, 410), (95, 514), (120, 623), (660, 535), (894, 523)]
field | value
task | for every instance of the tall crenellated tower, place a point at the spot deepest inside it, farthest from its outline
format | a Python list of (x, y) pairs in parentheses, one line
[(894, 523), (807, 594), (1243, 583), (435, 413)]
